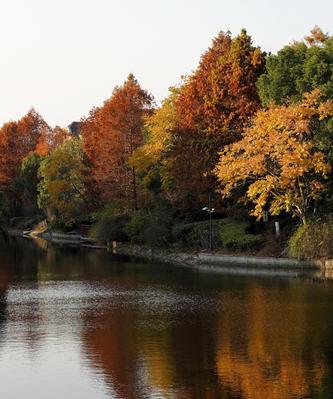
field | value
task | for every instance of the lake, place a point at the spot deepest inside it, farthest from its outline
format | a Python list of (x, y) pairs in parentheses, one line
[(82, 324)]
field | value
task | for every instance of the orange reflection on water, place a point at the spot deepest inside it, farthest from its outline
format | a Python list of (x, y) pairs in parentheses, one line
[(270, 362)]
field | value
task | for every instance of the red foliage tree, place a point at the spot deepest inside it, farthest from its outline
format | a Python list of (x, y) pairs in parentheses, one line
[(213, 108), (110, 134)]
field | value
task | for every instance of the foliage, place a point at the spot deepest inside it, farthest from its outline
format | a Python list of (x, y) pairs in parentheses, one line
[(277, 159), (50, 139), (228, 232), (196, 234), (299, 68), (234, 235), (24, 186), (135, 228), (111, 134), (150, 159), (313, 240), (213, 107), (158, 232), (17, 140), (110, 226), (211, 133), (152, 228), (62, 193)]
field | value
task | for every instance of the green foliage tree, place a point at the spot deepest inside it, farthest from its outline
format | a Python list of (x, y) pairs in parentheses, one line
[(62, 192), (25, 184), (298, 68)]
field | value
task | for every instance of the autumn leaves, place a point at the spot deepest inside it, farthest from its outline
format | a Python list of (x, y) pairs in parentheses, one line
[(207, 111), (277, 159), (243, 124), (111, 134)]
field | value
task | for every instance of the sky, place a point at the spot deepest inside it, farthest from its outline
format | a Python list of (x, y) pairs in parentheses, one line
[(63, 57)]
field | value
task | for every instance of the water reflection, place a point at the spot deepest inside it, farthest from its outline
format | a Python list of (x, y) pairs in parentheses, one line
[(83, 324), (277, 351)]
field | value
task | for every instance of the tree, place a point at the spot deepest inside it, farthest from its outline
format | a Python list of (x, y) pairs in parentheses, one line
[(24, 185), (111, 134), (50, 139), (317, 37), (277, 159), (17, 140), (151, 158), (299, 68), (62, 193), (215, 104)]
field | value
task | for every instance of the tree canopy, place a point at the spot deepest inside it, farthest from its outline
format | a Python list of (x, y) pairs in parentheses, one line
[(277, 159), (111, 134), (213, 107), (298, 68), (61, 190)]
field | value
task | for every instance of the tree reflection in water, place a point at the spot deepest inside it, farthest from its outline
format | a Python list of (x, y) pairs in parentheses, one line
[(148, 331)]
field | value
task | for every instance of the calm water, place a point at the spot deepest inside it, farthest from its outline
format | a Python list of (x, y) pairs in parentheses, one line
[(84, 325)]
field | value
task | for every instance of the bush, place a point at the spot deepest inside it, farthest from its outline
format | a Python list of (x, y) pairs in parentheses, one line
[(196, 234), (109, 227), (158, 230), (185, 234), (230, 233), (234, 235), (153, 228), (312, 241), (135, 228)]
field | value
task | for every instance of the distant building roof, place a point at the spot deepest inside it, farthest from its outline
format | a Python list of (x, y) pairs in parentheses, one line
[(74, 128)]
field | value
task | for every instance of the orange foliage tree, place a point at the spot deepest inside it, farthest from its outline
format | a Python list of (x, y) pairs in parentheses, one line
[(17, 140), (317, 37), (110, 134), (214, 106), (50, 139), (278, 160)]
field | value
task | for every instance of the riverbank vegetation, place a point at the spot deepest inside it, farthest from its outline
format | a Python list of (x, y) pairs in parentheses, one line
[(247, 136)]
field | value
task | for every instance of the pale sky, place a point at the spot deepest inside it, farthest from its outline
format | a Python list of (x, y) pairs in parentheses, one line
[(63, 57)]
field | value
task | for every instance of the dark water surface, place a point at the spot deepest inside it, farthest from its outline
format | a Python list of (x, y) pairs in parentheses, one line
[(78, 324)]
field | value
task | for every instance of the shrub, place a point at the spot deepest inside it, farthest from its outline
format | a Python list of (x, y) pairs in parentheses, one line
[(185, 234), (228, 232), (312, 241), (153, 228), (135, 228), (158, 231), (109, 227), (196, 234), (234, 235)]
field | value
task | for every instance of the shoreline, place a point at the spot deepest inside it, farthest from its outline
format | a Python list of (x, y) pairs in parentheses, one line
[(227, 264), (202, 261)]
